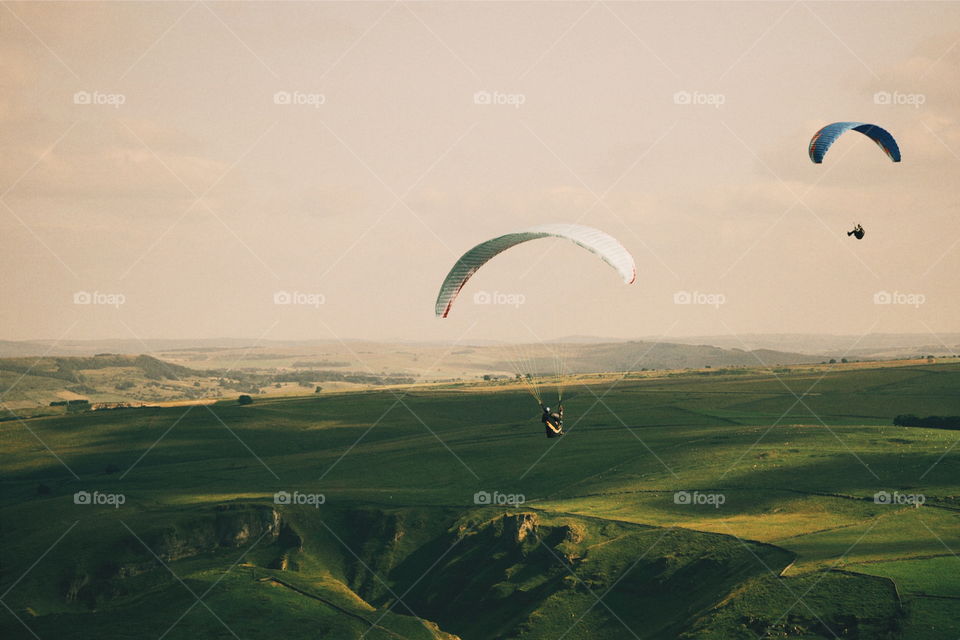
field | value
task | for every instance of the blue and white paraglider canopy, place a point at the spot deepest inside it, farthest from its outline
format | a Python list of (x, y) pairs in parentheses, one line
[(824, 138)]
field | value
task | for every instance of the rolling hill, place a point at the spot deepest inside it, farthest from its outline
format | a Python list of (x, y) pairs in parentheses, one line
[(729, 505)]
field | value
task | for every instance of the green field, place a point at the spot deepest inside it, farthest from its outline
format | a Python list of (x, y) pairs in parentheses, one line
[(776, 532)]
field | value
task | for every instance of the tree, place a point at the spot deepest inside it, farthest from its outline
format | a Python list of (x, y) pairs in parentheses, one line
[(843, 360), (78, 405), (318, 389), (245, 399), (833, 361)]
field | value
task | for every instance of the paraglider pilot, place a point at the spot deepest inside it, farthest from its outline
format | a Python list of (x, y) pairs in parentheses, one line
[(552, 421), (857, 232)]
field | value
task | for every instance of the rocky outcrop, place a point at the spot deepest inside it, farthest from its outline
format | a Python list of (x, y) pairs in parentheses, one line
[(225, 526), (229, 526), (521, 525)]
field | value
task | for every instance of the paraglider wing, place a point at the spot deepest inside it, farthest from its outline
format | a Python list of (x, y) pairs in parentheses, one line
[(823, 139), (593, 240)]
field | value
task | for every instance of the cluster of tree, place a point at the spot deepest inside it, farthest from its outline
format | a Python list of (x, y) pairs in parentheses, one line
[(250, 381), (114, 406), (930, 422), (81, 402), (239, 385), (721, 372)]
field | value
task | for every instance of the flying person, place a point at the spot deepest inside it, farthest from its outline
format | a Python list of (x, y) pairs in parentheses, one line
[(857, 232), (552, 422)]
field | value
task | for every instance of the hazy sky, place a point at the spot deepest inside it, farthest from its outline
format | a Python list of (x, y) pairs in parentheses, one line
[(147, 159)]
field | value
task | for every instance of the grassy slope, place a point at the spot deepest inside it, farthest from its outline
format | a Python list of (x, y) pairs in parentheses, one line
[(799, 484)]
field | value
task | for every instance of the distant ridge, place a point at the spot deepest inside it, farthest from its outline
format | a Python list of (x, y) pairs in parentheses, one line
[(871, 346)]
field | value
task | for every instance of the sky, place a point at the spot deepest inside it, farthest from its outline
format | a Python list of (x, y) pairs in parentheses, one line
[(312, 170)]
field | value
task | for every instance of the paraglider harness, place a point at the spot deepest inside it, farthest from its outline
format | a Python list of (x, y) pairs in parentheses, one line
[(552, 422), (858, 232)]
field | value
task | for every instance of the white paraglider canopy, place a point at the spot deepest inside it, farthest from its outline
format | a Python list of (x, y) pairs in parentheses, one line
[(593, 240)]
